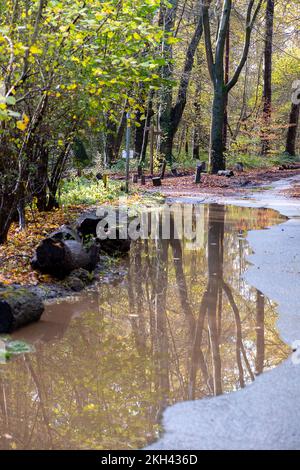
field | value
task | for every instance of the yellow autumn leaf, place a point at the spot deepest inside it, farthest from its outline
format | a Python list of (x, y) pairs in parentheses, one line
[(35, 50), (172, 40), (23, 124), (72, 86)]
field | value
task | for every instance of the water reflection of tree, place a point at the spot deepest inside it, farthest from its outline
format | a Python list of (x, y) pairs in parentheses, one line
[(210, 324), (211, 306), (182, 326)]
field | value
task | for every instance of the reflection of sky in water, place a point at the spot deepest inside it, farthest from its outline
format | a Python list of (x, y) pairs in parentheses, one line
[(179, 325)]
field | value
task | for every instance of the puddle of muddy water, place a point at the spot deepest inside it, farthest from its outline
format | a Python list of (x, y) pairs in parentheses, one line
[(181, 325)]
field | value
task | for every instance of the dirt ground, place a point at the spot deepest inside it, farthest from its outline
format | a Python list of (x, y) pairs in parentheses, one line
[(239, 184)]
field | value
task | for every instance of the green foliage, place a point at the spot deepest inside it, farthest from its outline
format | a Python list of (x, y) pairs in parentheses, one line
[(81, 157), (66, 69), (257, 161), (84, 56), (286, 67), (119, 166), (86, 191)]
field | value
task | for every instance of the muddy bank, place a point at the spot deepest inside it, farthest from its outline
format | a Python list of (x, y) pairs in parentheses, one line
[(266, 414)]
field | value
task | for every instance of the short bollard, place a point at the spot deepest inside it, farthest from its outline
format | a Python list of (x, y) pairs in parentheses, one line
[(198, 174), (156, 181)]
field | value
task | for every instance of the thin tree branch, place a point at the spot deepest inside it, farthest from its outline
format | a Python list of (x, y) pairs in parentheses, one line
[(249, 27)]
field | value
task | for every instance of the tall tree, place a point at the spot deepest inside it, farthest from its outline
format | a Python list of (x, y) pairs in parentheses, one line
[(267, 92), (227, 70), (215, 60), (167, 22), (171, 115)]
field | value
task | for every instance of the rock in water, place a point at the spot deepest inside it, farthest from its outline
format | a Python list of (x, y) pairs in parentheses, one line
[(18, 307), (59, 257)]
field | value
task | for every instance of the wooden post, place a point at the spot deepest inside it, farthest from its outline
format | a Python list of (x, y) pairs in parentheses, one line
[(151, 149), (128, 138), (198, 174), (105, 179), (163, 169)]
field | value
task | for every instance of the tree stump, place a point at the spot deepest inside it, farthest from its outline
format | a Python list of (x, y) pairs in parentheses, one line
[(156, 181)]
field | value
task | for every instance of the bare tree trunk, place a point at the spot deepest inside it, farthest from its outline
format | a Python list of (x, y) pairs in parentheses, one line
[(171, 116), (120, 133), (40, 183), (111, 130), (291, 138), (197, 111), (267, 93), (215, 61), (227, 65), (141, 142), (186, 143), (217, 158), (58, 170), (196, 143), (167, 22)]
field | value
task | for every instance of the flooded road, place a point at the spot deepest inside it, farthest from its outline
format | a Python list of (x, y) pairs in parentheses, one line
[(181, 324)]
